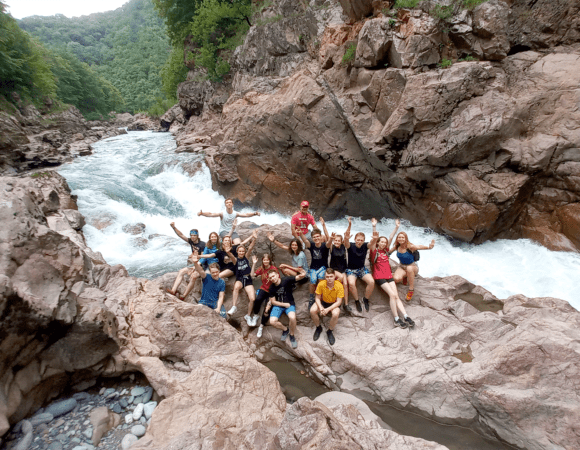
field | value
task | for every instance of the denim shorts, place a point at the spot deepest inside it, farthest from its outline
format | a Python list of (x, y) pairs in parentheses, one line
[(359, 273), (278, 310), (316, 275)]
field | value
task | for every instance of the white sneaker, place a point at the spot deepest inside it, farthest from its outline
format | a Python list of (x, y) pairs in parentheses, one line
[(260, 330), (232, 310), (255, 320), (248, 320)]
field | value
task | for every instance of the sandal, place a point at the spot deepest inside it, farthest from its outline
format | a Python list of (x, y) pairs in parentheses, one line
[(409, 295)]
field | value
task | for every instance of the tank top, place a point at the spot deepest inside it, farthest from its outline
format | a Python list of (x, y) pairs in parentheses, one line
[(338, 258), (406, 258), (227, 222)]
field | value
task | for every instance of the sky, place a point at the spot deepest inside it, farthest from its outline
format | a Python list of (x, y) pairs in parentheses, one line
[(70, 8)]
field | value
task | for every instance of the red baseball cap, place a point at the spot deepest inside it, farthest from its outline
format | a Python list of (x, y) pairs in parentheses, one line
[(305, 204)]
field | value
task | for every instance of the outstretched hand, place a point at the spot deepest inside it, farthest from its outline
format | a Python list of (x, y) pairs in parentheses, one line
[(254, 259), (397, 223), (374, 222), (194, 257), (200, 212), (255, 233), (228, 247), (172, 224), (432, 244), (271, 237), (321, 220)]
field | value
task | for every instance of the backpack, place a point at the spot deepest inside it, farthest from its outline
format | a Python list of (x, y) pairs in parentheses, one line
[(416, 255)]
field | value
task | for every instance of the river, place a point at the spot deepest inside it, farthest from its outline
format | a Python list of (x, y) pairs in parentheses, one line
[(139, 178)]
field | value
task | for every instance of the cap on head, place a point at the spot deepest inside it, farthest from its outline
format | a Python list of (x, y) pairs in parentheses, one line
[(193, 232), (304, 204)]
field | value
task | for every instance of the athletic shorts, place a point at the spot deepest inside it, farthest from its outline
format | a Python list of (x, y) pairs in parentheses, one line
[(404, 266), (278, 310), (383, 281), (316, 275), (246, 280), (235, 235), (359, 273)]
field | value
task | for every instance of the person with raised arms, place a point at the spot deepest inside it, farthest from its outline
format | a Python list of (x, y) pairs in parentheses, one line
[(283, 301), (319, 257), (355, 268), (299, 261), (263, 293), (338, 263), (408, 268), (227, 267), (197, 246), (208, 256), (379, 257), (243, 273), (329, 295), (302, 219), (213, 287), (227, 218)]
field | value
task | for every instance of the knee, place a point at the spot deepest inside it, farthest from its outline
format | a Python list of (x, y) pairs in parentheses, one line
[(335, 313), (273, 321)]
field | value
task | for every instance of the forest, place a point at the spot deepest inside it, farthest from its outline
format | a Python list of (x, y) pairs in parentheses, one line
[(130, 59)]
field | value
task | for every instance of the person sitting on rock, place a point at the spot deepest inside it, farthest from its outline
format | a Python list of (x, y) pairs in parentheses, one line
[(227, 267), (243, 273), (379, 257), (338, 263), (319, 258), (302, 219), (299, 261), (283, 301), (207, 257), (329, 296), (408, 268), (197, 246), (227, 218), (357, 255), (263, 293), (213, 287)]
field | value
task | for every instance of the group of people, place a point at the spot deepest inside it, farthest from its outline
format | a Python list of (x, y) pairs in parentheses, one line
[(335, 266)]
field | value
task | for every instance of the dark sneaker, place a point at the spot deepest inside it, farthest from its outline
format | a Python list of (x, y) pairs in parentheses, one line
[(317, 333), (331, 339), (366, 302), (358, 306), (347, 309), (410, 321), (293, 341), (401, 324), (285, 334)]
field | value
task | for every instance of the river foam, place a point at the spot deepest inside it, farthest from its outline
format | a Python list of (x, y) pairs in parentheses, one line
[(138, 178)]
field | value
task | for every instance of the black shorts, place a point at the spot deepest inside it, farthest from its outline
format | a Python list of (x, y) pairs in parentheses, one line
[(246, 280), (324, 304), (383, 281)]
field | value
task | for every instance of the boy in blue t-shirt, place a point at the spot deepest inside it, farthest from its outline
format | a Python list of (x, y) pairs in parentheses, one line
[(213, 287)]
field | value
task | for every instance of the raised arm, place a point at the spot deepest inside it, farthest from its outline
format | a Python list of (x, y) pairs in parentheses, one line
[(250, 214), (177, 232), (199, 269), (329, 239), (208, 214), (248, 239), (253, 244), (301, 274), (299, 234), (397, 225), (254, 262), (234, 225), (375, 238), (423, 247), (228, 251), (321, 220), (347, 233), (278, 244)]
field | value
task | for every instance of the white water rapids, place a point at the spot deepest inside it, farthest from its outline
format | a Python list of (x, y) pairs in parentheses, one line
[(138, 178)]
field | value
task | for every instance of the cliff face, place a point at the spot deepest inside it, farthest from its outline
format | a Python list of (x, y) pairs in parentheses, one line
[(354, 110)]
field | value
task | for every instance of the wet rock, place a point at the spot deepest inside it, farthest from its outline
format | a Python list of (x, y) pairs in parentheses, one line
[(138, 228)]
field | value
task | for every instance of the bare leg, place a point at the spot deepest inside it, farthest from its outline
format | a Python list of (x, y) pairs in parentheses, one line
[(314, 311), (287, 270), (334, 319), (344, 280), (194, 277), (399, 275), (370, 281), (236, 293), (226, 273), (180, 276), (412, 270), (276, 324), (251, 293), (394, 300), (352, 287), (292, 320)]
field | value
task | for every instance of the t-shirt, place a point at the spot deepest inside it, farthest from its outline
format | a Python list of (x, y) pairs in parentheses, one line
[(199, 247), (302, 221), (357, 256), (319, 255), (283, 291), (211, 290), (227, 221), (338, 258), (264, 274), (243, 267), (381, 267), (330, 295), (224, 260), (207, 251), (299, 260)]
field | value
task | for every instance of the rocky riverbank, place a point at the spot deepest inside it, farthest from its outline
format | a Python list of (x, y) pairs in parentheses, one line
[(67, 318), (465, 124)]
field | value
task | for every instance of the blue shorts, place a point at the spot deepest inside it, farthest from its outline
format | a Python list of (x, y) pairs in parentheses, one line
[(359, 273), (222, 310), (278, 310), (316, 275)]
